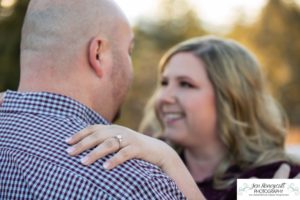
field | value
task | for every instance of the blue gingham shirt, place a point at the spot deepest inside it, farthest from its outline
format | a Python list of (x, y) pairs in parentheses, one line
[(34, 163)]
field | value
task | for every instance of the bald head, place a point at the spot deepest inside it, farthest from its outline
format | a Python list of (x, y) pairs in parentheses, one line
[(78, 48), (58, 29)]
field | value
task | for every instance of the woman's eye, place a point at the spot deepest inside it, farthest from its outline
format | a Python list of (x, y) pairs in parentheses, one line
[(186, 84), (163, 83)]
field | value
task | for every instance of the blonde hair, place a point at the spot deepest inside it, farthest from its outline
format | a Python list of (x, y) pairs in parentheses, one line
[(249, 122), (150, 124)]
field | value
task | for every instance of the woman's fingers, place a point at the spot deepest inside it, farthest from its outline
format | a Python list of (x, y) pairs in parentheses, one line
[(283, 171), (110, 145), (297, 176), (86, 143), (122, 156), (107, 140), (83, 133)]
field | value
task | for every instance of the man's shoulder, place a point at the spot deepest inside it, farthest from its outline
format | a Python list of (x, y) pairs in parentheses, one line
[(35, 142), (135, 179), (43, 179), (42, 144)]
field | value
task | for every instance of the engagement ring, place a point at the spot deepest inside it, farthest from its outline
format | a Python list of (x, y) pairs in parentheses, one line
[(119, 138)]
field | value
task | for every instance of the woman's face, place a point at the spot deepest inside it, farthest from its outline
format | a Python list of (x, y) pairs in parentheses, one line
[(186, 102)]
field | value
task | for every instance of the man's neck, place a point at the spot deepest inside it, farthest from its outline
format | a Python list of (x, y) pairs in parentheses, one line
[(74, 79), (78, 91), (47, 84)]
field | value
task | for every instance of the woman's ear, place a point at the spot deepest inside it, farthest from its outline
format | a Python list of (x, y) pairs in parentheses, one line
[(95, 55)]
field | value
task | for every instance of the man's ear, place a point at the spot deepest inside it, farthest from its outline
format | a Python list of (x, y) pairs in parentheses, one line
[(95, 55)]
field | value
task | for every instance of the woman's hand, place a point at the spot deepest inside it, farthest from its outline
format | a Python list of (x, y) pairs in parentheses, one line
[(113, 138), (283, 172), (130, 144)]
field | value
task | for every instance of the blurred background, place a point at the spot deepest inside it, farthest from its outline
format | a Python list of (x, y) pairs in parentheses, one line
[(269, 28)]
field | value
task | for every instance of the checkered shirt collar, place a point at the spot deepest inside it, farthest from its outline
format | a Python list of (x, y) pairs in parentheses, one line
[(45, 103)]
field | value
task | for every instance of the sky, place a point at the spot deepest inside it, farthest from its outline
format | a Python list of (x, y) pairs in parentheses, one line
[(215, 13), (7, 3)]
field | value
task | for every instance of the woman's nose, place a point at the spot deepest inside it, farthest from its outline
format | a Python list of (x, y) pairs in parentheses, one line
[(167, 95)]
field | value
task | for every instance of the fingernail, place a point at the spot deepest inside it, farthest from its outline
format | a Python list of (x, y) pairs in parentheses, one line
[(85, 160), (70, 149), (68, 140), (106, 165)]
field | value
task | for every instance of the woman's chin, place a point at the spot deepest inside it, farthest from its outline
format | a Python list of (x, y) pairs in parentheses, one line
[(175, 137)]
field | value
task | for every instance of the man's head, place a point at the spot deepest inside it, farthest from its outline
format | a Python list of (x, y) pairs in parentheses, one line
[(78, 48)]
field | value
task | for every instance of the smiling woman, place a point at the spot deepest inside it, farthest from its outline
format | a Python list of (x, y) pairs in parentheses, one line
[(212, 101)]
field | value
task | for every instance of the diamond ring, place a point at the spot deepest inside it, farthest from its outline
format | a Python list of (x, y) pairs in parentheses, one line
[(119, 138)]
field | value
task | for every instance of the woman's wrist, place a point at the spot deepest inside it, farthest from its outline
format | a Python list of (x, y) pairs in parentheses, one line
[(169, 158), (173, 166)]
